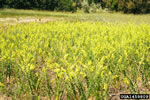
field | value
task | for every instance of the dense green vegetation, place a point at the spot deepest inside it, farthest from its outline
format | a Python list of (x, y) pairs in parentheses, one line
[(127, 6), (74, 60)]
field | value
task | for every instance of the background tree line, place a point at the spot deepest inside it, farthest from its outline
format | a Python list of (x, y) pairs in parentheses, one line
[(127, 6)]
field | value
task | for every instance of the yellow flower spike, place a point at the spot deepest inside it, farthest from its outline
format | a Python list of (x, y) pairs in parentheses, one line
[(32, 60), (130, 68), (57, 97), (12, 45), (101, 67), (82, 74), (113, 56), (105, 68), (105, 86), (139, 78), (110, 73), (126, 81), (102, 74), (115, 76), (57, 65), (120, 60), (65, 56), (40, 50), (50, 66), (32, 67), (89, 62), (66, 78), (1, 84), (53, 80), (91, 69), (72, 74), (97, 73), (77, 70), (22, 67), (36, 74), (63, 70), (60, 74), (102, 60), (56, 70), (44, 69), (126, 54), (27, 69)]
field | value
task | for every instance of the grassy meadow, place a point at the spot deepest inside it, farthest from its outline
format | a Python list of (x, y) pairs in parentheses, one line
[(80, 57), (106, 17)]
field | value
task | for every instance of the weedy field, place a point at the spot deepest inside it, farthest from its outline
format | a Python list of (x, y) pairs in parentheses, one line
[(79, 60), (13, 16)]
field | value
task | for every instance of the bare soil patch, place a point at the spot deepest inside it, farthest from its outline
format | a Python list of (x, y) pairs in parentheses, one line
[(27, 20)]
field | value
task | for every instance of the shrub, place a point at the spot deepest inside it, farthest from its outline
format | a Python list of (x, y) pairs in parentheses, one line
[(85, 6), (95, 8)]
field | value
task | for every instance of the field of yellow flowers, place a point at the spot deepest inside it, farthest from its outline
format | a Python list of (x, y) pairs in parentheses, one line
[(74, 60)]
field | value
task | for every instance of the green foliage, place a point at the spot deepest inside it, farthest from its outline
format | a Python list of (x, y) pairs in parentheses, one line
[(128, 6), (38, 4), (138, 6), (66, 5)]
